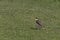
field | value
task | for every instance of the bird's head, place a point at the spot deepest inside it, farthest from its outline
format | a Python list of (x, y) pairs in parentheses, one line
[(36, 18)]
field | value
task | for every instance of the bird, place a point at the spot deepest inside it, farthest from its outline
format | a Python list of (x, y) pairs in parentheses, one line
[(38, 22)]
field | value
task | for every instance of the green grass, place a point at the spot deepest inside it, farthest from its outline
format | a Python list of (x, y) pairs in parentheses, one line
[(17, 17)]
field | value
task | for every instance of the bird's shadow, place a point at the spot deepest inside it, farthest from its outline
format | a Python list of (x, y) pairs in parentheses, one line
[(34, 28)]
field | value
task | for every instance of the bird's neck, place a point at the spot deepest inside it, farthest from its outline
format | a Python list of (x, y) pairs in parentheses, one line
[(36, 19)]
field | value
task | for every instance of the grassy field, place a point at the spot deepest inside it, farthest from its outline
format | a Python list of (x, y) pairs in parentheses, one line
[(17, 18)]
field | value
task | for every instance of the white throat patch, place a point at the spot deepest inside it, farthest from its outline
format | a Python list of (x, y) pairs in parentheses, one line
[(36, 19)]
